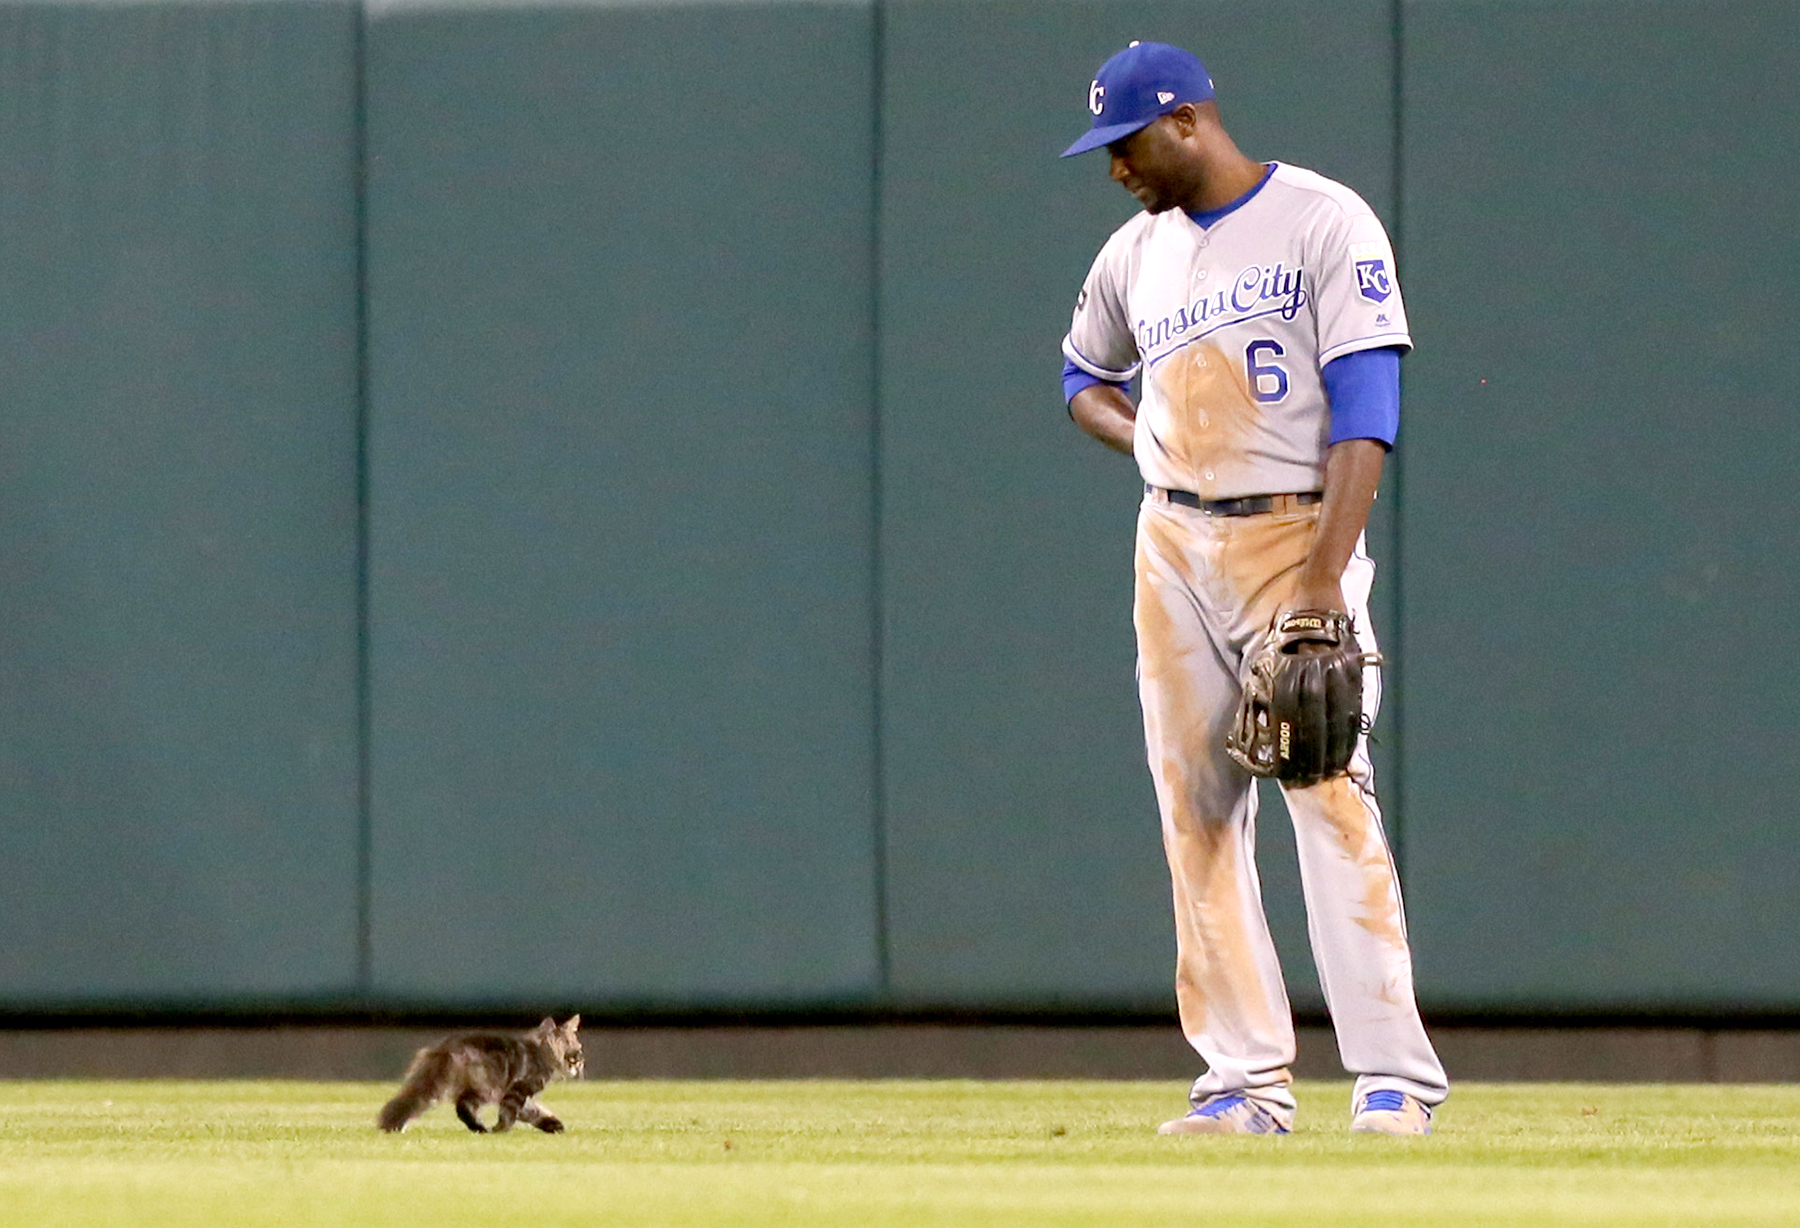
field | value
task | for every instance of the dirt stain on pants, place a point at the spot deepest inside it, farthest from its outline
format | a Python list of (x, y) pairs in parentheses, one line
[(1207, 588)]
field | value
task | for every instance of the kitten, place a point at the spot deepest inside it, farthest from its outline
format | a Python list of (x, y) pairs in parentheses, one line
[(478, 1068)]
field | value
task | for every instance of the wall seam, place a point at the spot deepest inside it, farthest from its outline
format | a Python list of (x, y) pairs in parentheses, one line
[(877, 590), (365, 832), (1396, 478)]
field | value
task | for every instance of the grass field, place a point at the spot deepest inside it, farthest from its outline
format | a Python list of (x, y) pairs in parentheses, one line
[(151, 1154)]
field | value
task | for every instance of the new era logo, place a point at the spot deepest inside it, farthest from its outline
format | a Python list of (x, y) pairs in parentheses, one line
[(1164, 96)]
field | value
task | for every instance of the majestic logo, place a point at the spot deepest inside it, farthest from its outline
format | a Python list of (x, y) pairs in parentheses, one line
[(1096, 98), (1372, 280), (1164, 97)]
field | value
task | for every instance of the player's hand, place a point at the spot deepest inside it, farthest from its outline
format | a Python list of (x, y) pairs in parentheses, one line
[(1313, 594)]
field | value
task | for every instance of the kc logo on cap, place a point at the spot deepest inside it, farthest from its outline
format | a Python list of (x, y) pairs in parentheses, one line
[(1135, 87)]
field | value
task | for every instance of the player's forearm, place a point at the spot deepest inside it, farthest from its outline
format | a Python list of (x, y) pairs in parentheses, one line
[(1352, 472), (1106, 413)]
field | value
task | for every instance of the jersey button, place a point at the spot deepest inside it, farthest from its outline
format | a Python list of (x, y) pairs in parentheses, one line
[(1200, 276), (1207, 474)]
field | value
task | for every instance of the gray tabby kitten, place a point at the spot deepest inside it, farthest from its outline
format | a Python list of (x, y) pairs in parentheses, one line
[(477, 1068)]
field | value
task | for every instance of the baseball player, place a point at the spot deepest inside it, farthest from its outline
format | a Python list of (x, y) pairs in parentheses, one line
[(1257, 304)]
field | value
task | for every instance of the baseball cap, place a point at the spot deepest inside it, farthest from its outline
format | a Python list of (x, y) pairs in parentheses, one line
[(1134, 87)]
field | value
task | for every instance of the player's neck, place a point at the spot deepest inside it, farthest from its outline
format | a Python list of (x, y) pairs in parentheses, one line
[(1226, 174)]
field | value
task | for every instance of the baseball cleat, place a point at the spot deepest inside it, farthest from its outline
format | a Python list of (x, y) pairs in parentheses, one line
[(1388, 1112), (1229, 1113)]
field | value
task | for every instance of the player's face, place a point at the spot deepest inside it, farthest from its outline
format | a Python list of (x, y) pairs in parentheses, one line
[(1152, 165)]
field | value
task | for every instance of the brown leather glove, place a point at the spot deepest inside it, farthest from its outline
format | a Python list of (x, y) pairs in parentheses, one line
[(1301, 712)]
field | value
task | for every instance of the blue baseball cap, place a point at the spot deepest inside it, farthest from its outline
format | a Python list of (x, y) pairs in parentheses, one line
[(1142, 82)]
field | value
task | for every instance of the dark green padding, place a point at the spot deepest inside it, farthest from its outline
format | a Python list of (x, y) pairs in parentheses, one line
[(639, 518), (1602, 722), (621, 496), (1024, 855), (177, 503)]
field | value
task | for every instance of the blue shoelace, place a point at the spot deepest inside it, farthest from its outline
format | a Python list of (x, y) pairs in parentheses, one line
[(1217, 1107), (1384, 1102)]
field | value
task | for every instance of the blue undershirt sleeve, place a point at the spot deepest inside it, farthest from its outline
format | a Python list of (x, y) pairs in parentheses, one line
[(1075, 379), (1364, 391)]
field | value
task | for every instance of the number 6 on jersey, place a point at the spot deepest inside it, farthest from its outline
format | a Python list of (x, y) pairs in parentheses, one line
[(1268, 382)]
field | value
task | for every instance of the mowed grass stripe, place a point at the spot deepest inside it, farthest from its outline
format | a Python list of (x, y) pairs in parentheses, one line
[(804, 1153)]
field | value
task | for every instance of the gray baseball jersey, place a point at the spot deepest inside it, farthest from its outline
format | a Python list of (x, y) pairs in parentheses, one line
[(1231, 325)]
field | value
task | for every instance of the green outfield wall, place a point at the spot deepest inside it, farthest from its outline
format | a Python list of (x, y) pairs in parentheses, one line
[(1599, 531), (178, 530), (571, 503), (621, 502), (1023, 853)]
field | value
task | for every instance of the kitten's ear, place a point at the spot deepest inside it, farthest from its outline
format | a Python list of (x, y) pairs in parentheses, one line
[(574, 1022), (547, 1026)]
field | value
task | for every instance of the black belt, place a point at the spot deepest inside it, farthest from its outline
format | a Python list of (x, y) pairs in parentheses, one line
[(1249, 505)]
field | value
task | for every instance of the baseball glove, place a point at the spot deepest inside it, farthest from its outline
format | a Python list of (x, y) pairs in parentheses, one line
[(1301, 713)]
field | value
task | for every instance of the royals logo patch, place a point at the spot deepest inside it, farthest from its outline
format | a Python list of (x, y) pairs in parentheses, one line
[(1372, 280)]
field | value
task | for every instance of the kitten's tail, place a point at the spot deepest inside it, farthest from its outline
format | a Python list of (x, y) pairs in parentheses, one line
[(425, 1081)]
